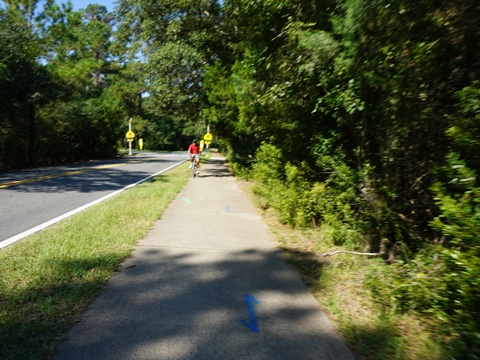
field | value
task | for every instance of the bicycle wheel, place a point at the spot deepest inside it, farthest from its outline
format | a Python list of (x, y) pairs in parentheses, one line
[(194, 168)]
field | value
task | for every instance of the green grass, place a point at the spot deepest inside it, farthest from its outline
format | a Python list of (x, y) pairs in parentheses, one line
[(48, 279)]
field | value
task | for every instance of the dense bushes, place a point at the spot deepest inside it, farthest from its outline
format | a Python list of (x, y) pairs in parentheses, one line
[(298, 202), (439, 282)]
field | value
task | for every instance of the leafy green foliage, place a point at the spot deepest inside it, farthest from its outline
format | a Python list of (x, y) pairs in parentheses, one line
[(459, 223), (465, 130), (58, 63), (178, 40)]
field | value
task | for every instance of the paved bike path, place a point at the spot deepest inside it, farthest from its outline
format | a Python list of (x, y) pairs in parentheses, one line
[(207, 282)]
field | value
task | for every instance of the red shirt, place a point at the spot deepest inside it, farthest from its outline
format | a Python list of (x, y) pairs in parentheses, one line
[(194, 149)]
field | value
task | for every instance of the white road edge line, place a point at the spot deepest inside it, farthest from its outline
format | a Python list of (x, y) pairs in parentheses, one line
[(38, 228)]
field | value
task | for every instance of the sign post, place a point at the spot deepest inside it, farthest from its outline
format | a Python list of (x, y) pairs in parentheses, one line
[(130, 135)]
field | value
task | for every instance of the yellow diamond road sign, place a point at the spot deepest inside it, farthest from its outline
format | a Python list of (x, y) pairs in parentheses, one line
[(130, 135), (208, 138)]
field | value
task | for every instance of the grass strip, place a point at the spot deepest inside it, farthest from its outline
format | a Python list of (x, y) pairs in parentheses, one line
[(48, 279)]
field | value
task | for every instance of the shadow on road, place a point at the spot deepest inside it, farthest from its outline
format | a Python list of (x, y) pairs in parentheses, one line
[(87, 180)]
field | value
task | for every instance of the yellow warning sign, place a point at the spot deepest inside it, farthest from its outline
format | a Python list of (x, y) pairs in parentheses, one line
[(208, 138), (130, 135)]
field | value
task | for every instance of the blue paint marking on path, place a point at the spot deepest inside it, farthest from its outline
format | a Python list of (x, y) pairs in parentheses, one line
[(228, 208), (251, 301), (187, 200)]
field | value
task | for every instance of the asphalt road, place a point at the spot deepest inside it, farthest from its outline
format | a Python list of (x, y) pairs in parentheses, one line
[(31, 198)]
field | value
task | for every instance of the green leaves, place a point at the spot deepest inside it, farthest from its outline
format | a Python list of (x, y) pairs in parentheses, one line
[(177, 40), (459, 203)]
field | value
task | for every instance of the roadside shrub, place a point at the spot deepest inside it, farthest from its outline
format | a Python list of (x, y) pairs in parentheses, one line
[(337, 202), (296, 201), (441, 282), (269, 164), (281, 186), (417, 285), (459, 223)]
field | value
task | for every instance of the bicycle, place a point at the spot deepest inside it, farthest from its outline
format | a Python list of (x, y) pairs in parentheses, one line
[(195, 170)]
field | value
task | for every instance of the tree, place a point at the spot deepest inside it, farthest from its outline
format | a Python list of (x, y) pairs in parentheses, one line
[(80, 57), (25, 83), (56, 76), (177, 39)]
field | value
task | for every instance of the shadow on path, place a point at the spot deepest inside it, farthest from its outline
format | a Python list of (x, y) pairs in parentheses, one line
[(185, 304)]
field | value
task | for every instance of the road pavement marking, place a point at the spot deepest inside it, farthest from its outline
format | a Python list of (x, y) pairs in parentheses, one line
[(251, 301)]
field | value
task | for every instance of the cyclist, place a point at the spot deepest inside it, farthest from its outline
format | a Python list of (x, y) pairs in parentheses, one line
[(194, 153)]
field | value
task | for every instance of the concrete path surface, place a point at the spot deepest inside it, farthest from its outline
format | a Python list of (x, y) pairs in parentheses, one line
[(207, 282)]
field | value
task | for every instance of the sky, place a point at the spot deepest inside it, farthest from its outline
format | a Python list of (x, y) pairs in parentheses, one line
[(82, 4)]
